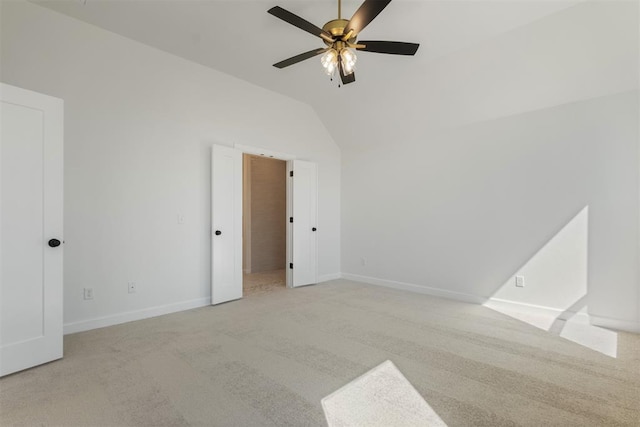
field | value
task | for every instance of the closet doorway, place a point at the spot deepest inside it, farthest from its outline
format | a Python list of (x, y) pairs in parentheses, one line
[(264, 246), (232, 227)]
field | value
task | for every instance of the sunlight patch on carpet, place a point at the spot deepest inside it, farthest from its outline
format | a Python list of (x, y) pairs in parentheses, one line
[(380, 397)]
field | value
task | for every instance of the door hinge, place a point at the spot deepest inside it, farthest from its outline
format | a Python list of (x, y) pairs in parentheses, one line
[(290, 173), (290, 219), (291, 265)]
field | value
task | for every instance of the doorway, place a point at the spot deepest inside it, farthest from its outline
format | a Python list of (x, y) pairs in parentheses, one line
[(227, 237), (264, 254)]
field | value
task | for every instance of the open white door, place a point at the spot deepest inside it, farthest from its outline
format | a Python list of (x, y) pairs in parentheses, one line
[(31, 155), (226, 224), (302, 200)]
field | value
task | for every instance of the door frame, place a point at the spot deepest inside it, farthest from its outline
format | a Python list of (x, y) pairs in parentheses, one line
[(261, 152)]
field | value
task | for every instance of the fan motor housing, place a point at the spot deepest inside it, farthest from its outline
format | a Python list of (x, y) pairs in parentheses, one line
[(336, 28)]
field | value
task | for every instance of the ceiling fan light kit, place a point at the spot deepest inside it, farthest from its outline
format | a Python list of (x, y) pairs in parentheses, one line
[(340, 36), (330, 61)]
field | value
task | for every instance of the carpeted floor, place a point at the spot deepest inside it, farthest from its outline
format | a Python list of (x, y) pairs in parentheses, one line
[(265, 281), (270, 359)]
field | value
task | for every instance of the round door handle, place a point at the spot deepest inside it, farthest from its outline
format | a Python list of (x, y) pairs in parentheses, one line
[(313, 229), (54, 243), (218, 232)]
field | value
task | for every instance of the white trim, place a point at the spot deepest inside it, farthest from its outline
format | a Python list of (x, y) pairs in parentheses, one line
[(257, 151), (607, 322), (145, 313), (437, 292), (246, 213), (289, 226), (327, 277), (556, 313)]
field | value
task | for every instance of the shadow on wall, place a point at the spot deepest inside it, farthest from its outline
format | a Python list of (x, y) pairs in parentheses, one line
[(459, 212), (550, 291)]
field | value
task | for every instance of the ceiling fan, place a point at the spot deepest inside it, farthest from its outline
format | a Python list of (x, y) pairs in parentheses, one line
[(340, 36)]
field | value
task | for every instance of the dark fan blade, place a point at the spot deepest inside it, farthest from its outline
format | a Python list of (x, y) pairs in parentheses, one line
[(299, 58), (346, 79), (295, 20), (393, 48), (365, 14)]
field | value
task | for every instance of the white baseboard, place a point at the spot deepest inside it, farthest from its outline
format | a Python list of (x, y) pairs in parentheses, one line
[(609, 323), (327, 277), (437, 292), (556, 313), (116, 319), (537, 310)]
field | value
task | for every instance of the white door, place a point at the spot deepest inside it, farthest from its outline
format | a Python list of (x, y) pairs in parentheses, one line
[(31, 147), (226, 222), (302, 200)]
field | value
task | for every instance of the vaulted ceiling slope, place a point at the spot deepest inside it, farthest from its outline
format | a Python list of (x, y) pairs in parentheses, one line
[(477, 60)]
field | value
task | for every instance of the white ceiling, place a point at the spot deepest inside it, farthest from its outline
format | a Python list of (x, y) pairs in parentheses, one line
[(240, 38)]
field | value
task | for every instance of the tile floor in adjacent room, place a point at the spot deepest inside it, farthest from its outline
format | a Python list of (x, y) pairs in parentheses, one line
[(264, 281)]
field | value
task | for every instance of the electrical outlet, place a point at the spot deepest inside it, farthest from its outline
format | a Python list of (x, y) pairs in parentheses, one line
[(520, 281), (180, 219), (88, 293), (363, 261), (132, 287)]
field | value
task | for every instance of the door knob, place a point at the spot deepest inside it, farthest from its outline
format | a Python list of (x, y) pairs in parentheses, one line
[(218, 232), (313, 229), (54, 243)]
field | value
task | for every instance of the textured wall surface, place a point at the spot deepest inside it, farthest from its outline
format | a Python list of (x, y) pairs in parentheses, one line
[(268, 214)]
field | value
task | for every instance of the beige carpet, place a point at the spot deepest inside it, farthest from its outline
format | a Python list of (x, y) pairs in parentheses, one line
[(380, 398), (268, 360), (266, 281)]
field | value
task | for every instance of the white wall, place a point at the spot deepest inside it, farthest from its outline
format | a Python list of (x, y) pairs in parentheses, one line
[(494, 150), (584, 51), (466, 209), (480, 173), (139, 125)]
